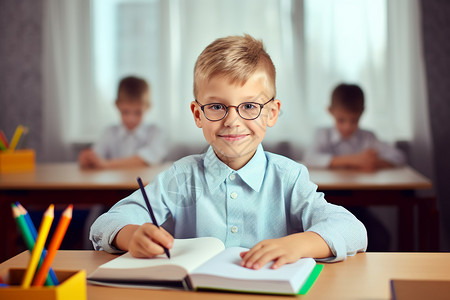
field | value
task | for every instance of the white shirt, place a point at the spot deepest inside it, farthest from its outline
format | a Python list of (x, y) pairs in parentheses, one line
[(328, 143), (147, 141)]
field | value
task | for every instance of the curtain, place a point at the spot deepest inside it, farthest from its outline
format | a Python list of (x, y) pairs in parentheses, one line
[(408, 81), (66, 76), (314, 44)]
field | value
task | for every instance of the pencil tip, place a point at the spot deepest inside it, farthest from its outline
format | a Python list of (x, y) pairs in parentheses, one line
[(68, 211), (50, 210), (15, 211)]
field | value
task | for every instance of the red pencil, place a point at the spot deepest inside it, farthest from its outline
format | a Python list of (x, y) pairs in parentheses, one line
[(3, 138), (54, 245)]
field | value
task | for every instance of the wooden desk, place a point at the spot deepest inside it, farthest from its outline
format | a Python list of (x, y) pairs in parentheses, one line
[(64, 183), (403, 178), (69, 176), (364, 276)]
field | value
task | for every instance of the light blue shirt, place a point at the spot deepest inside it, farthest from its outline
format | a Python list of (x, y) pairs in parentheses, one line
[(329, 143), (270, 197), (146, 141)]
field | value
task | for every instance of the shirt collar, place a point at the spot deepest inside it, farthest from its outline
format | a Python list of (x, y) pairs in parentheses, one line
[(138, 132), (216, 172), (336, 138)]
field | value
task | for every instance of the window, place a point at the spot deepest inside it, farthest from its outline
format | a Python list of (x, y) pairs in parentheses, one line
[(315, 44)]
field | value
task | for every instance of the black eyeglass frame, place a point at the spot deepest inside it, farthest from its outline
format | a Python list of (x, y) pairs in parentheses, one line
[(261, 105)]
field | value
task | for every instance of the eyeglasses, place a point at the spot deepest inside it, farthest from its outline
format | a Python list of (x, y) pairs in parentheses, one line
[(246, 110)]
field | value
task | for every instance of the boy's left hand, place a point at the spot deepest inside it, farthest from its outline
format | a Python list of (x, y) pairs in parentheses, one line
[(285, 250), (281, 251)]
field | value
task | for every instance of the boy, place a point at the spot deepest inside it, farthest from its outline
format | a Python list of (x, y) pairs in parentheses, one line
[(346, 145), (130, 143), (235, 191)]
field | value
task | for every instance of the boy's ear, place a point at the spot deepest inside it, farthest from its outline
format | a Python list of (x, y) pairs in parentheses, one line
[(274, 112), (330, 110), (196, 112)]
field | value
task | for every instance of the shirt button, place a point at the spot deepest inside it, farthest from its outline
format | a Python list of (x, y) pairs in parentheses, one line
[(232, 177), (233, 195), (234, 229)]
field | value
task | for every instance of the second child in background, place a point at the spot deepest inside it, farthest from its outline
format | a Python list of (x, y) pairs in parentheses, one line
[(131, 143), (346, 145)]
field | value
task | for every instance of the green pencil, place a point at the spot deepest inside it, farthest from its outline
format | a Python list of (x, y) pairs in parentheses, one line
[(27, 237), (2, 145)]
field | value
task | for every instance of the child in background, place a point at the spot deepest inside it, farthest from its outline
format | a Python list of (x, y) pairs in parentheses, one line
[(130, 143), (346, 145), (235, 191)]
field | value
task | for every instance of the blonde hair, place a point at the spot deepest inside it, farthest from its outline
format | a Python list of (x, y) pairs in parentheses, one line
[(236, 58), (133, 89)]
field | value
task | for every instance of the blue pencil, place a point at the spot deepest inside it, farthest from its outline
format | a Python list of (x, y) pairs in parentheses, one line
[(33, 232)]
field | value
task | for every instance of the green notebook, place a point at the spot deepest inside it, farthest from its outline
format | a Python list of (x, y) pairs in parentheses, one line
[(204, 263)]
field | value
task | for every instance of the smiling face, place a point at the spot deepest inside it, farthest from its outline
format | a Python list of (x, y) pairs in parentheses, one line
[(234, 139), (346, 121)]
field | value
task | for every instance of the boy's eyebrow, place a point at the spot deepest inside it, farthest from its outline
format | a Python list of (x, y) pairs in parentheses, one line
[(215, 99)]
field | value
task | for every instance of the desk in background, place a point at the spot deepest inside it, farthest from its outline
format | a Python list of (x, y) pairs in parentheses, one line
[(363, 276), (387, 187), (64, 183)]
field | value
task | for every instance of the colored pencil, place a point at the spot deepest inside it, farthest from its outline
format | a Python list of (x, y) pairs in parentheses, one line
[(150, 210), (15, 139), (53, 279), (27, 217), (44, 228), (28, 238), (55, 242), (21, 142), (23, 227), (3, 138), (2, 146)]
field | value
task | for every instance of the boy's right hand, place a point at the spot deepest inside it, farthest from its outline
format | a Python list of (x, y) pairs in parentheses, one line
[(143, 241), (89, 159), (367, 160)]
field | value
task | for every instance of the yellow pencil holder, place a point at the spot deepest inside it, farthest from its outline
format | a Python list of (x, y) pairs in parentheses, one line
[(72, 286), (17, 161)]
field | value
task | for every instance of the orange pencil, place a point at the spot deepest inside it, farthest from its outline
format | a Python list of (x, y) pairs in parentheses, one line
[(55, 242)]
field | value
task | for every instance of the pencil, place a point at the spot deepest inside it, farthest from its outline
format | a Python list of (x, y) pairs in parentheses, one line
[(2, 145), (27, 217), (150, 210), (16, 137), (3, 138), (44, 228), (53, 279), (21, 142), (28, 236), (55, 242), (23, 227)]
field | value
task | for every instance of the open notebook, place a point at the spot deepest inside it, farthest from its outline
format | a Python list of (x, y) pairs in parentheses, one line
[(204, 263)]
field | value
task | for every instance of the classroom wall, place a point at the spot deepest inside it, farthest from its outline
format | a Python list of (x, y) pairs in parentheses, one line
[(21, 82), (20, 67), (436, 33)]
